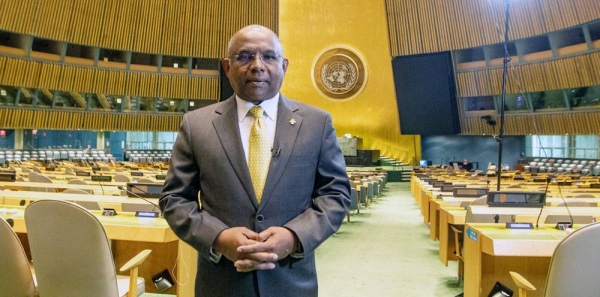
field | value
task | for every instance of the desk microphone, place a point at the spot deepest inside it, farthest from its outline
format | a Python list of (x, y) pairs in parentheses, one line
[(567, 207), (138, 196), (100, 183), (548, 180)]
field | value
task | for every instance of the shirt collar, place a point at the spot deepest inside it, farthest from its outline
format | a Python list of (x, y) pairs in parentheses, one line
[(269, 106)]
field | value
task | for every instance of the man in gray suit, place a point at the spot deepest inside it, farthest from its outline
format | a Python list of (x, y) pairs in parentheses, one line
[(253, 244)]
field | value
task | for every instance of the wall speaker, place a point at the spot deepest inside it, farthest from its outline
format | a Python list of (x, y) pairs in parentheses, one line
[(426, 94)]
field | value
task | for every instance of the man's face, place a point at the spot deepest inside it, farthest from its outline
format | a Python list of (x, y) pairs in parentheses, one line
[(255, 67)]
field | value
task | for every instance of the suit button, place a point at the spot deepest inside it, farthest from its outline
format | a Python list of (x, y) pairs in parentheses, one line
[(260, 218)]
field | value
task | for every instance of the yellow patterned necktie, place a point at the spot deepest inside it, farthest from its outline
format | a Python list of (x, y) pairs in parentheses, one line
[(259, 154)]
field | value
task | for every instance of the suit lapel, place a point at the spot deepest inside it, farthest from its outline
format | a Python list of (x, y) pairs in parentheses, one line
[(288, 125), (227, 128)]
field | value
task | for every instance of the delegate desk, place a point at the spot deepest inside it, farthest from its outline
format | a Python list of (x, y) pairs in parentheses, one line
[(491, 251), (444, 198), (449, 215), (129, 235), (24, 198), (435, 206), (452, 214), (535, 211), (20, 186)]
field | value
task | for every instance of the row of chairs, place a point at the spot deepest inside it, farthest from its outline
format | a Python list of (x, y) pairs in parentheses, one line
[(147, 156), (54, 155), (370, 189), (137, 158), (564, 168), (37, 177), (564, 161), (83, 265), (126, 207), (95, 155)]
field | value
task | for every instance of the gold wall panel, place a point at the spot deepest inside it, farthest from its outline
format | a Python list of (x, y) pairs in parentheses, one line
[(372, 114), (426, 26), (569, 72), (189, 28)]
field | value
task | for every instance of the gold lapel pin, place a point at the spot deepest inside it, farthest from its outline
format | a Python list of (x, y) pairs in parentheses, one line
[(292, 121)]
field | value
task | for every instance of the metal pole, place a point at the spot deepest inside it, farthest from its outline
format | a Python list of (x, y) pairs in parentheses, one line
[(500, 137)]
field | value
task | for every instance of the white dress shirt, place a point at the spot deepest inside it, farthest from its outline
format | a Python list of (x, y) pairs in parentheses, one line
[(246, 120)]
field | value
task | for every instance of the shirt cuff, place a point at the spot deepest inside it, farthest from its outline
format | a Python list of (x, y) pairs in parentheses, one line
[(298, 252), (214, 257)]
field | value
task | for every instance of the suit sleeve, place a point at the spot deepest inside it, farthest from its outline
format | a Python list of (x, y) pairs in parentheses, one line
[(179, 200), (331, 195)]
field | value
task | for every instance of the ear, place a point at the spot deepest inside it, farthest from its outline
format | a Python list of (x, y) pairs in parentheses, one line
[(284, 64), (226, 66)]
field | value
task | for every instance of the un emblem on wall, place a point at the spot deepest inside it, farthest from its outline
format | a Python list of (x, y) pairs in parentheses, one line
[(339, 73)]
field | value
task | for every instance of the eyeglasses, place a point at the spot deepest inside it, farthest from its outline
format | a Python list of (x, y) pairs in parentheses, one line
[(247, 57)]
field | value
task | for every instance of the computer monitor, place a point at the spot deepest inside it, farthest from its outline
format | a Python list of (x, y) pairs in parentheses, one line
[(432, 181), (439, 184), (424, 163), (83, 173), (8, 176), (102, 178), (469, 192), (450, 188), (145, 190), (516, 198)]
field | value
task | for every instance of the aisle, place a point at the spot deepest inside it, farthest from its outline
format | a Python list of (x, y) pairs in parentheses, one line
[(385, 251)]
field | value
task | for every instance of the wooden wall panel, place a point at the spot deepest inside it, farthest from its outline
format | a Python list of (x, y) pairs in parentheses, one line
[(52, 76), (11, 118), (177, 28), (569, 72), (426, 26), (59, 26), (22, 15), (579, 123), (89, 28)]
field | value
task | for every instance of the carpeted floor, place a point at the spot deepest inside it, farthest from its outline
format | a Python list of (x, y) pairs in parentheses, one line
[(385, 251)]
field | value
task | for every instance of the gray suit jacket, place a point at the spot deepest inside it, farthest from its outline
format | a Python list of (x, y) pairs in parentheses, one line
[(307, 191)]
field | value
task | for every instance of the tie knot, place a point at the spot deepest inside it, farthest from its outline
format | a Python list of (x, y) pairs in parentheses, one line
[(256, 112)]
